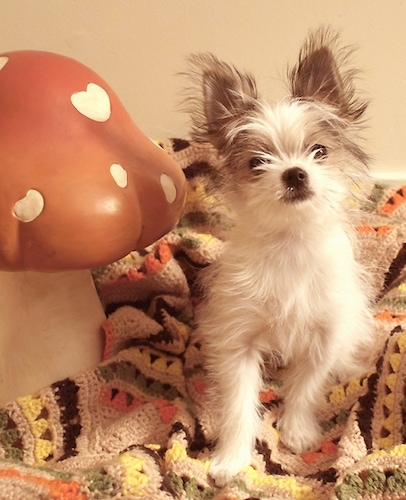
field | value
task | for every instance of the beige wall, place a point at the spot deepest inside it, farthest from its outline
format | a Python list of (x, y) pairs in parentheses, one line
[(139, 46)]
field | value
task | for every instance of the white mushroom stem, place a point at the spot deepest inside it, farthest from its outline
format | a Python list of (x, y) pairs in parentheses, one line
[(50, 328)]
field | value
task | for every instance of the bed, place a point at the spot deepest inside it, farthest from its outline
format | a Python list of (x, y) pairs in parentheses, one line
[(137, 426)]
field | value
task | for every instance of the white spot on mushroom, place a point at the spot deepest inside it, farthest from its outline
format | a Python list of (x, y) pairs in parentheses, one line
[(169, 188), (94, 103), (3, 61), (29, 208), (119, 174)]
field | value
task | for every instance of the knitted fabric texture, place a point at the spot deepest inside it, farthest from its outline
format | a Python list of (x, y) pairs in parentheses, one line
[(137, 426)]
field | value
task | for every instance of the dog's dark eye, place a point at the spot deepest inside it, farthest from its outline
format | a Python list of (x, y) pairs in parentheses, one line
[(256, 161), (320, 152)]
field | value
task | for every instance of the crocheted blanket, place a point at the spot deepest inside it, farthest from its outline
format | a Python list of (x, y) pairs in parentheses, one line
[(137, 425)]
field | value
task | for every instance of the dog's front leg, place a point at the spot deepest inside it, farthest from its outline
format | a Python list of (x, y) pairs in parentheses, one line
[(304, 389), (236, 376)]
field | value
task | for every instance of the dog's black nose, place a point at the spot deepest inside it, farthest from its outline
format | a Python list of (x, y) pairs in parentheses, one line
[(295, 177)]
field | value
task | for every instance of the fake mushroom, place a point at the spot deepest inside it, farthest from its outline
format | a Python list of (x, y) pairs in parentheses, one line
[(80, 187)]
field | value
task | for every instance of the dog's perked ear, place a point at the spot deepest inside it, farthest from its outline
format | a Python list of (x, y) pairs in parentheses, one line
[(321, 75), (226, 96)]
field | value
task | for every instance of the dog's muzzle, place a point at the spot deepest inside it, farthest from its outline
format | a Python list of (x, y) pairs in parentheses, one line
[(297, 185)]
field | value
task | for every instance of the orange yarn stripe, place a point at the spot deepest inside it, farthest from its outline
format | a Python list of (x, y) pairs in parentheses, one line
[(58, 489)]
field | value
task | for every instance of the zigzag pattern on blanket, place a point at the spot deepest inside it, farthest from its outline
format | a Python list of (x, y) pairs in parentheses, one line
[(137, 425)]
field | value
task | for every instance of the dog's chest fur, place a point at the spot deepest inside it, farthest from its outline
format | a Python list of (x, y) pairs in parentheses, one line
[(290, 282)]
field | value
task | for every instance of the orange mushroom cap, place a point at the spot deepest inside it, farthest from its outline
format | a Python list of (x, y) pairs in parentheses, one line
[(80, 185)]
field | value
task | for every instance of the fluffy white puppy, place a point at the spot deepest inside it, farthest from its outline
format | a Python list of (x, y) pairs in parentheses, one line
[(288, 288)]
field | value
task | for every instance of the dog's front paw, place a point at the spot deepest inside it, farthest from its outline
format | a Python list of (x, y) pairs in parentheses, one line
[(220, 473), (298, 433), (224, 468)]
